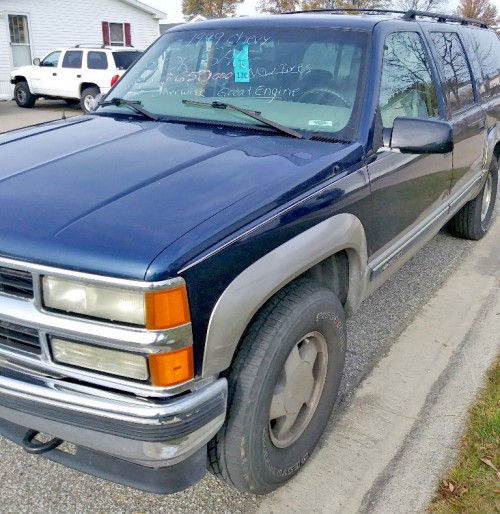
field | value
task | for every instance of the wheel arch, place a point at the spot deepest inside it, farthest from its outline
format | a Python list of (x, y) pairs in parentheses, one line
[(85, 85), (20, 78), (337, 244)]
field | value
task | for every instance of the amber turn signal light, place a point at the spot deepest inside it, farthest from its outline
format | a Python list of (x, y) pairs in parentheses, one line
[(167, 309), (167, 369)]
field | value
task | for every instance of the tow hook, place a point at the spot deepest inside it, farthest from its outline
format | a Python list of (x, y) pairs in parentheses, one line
[(38, 447)]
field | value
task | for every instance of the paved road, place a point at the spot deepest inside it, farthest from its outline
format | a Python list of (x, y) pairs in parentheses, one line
[(13, 117), (32, 485)]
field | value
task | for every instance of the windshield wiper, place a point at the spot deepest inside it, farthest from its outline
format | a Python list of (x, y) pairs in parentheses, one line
[(252, 114), (135, 105)]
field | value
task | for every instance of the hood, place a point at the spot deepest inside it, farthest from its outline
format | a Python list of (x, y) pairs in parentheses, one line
[(108, 194)]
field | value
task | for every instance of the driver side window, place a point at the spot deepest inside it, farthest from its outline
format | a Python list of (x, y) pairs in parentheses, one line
[(407, 88), (51, 60)]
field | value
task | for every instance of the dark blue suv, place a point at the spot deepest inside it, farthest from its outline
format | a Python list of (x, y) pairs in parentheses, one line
[(177, 265)]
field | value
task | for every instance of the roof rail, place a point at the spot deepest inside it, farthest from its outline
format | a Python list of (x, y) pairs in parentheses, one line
[(87, 45), (347, 9), (407, 15), (443, 18)]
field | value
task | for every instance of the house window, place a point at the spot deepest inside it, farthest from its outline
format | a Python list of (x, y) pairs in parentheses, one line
[(116, 34), (19, 40)]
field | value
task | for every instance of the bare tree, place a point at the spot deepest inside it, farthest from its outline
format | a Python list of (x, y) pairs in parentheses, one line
[(421, 5), (192, 8), (215, 8), (483, 10), (276, 6)]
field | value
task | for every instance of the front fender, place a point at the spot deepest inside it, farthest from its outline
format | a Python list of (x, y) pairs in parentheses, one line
[(248, 292)]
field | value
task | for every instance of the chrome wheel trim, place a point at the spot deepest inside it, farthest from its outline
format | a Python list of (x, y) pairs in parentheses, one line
[(487, 191), (298, 390), (88, 102)]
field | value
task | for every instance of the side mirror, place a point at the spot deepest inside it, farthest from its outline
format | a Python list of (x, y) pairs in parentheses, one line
[(36, 61), (421, 135)]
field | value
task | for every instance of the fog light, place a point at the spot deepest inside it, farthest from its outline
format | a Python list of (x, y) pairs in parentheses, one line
[(114, 362)]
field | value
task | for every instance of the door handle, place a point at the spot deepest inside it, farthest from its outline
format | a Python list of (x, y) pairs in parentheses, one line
[(54, 74), (78, 76)]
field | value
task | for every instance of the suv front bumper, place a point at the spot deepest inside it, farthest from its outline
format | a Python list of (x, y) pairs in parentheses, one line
[(154, 445)]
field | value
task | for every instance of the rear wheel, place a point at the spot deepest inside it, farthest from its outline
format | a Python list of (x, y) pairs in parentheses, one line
[(23, 96), (88, 98), (282, 388), (473, 220)]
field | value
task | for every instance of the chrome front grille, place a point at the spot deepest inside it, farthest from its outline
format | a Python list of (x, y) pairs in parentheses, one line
[(19, 338), (16, 282)]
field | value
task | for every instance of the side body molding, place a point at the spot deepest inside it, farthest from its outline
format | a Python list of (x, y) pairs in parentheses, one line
[(256, 284)]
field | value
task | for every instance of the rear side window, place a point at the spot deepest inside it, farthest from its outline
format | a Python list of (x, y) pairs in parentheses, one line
[(458, 82), (124, 59), (407, 88), (487, 47), (72, 59), (97, 61)]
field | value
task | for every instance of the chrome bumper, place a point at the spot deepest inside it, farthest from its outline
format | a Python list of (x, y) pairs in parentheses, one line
[(153, 433)]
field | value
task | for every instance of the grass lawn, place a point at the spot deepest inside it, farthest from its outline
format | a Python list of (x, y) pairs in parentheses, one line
[(472, 485)]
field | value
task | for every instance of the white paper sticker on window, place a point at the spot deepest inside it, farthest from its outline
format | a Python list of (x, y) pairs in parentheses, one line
[(320, 123)]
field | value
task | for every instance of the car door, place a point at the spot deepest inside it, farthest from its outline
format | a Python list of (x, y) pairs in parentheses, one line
[(409, 192), (70, 74), (44, 76), (465, 114)]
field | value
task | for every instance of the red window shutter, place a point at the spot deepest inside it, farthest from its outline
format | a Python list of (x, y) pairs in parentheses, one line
[(128, 35), (105, 33)]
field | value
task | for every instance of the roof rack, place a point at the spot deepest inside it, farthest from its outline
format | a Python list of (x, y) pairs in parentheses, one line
[(443, 18), (407, 15)]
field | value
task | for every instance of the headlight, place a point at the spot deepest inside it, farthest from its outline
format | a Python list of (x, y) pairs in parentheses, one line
[(94, 300), (155, 310), (128, 365), (163, 369)]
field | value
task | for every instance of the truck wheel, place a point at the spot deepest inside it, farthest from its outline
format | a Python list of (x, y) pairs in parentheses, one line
[(282, 388), (88, 98), (23, 96), (473, 220)]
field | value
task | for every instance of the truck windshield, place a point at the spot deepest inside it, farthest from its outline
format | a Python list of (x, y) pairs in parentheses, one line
[(306, 79)]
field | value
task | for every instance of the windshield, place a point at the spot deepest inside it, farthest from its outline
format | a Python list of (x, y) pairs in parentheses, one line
[(307, 79)]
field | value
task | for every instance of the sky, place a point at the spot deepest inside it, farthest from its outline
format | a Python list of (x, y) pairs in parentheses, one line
[(248, 7), (174, 11)]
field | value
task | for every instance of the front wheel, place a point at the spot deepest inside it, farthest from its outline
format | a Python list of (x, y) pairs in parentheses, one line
[(473, 220), (23, 96), (282, 388), (88, 98)]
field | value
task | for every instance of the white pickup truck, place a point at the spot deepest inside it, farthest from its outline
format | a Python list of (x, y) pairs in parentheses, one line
[(75, 74)]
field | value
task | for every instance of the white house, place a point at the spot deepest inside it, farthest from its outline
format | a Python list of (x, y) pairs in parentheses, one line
[(32, 28)]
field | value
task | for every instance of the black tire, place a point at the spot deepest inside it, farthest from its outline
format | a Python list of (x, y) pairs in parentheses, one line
[(473, 220), (250, 452), (23, 96), (72, 101), (88, 97)]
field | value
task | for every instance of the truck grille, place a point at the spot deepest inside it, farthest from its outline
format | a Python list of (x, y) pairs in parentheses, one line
[(16, 282), (20, 338)]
